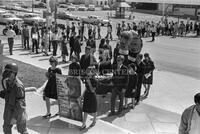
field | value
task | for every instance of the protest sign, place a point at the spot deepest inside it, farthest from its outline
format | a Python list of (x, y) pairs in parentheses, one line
[(1, 57), (68, 91)]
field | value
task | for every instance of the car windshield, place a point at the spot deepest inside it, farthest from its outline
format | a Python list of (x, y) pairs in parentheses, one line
[(8, 16), (30, 15)]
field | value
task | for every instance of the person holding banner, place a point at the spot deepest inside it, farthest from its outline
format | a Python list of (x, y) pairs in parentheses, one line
[(50, 90), (89, 95)]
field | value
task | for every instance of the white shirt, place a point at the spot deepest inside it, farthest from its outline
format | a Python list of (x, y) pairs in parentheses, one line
[(10, 33), (195, 123)]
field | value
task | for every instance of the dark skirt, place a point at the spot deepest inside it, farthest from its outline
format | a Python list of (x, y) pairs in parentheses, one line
[(130, 94), (148, 80), (89, 102), (50, 90)]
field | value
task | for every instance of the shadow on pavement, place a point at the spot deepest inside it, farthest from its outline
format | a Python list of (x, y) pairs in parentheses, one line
[(40, 125)]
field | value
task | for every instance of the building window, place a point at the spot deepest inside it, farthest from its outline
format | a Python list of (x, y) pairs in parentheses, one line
[(101, 3), (97, 3), (105, 2)]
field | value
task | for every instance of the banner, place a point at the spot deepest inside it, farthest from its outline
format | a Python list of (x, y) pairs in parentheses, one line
[(68, 91), (1, 57)]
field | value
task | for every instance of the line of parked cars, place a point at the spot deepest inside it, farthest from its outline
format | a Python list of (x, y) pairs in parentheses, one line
[(7, 17), (81, 7), (91, 19)]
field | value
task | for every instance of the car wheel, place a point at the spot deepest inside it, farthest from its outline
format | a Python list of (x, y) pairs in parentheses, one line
[(5, 31)]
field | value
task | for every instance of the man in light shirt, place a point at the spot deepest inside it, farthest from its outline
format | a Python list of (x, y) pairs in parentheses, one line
[(11, 35), (190, 119)]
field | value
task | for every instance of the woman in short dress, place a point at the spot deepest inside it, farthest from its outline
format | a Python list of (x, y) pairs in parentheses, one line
[(90, 100), (148, 74), (131, 88), (50, 91)]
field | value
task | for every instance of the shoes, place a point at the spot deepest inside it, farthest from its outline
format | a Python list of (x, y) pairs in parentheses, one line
[(46, 116), (93, 124), (125, 107), (82, 127)]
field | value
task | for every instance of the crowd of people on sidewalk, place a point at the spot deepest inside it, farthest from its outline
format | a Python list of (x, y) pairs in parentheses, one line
[(128, 75)]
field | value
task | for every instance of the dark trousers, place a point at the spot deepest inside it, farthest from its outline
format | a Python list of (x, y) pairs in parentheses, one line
[(55, 47), (35, 45), (10, 44), (26, 42), (117, 91), (139, 85), (71, 51), (109, 35), (153, 36)]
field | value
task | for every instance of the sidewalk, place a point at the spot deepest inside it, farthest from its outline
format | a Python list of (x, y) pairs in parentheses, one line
[(159, 114)]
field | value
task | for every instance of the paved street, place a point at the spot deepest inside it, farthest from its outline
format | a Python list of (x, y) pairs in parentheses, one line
[(176, 80)]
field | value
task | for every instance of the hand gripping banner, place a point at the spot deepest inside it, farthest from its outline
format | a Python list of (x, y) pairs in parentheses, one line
[(69, 91)]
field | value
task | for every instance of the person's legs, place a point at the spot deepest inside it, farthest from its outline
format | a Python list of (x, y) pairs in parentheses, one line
[(33, 44), (113, 98), (27, 41), (56, 47), (9, 44), (36, 46), (21, 128), (84, 119), (121, 100), (147, 90), (7, 128), (47, 100), (94, 119)]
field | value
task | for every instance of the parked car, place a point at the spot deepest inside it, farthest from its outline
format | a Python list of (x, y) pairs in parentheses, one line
[(82, 8), (91, 8), (106, 7), (30, 18), (71, 8), (91, 19), (63, 6), (9, 18), (67, 16), (40, 5)]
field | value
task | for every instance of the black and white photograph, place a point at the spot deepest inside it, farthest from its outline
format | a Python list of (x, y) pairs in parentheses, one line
[(100, 66)]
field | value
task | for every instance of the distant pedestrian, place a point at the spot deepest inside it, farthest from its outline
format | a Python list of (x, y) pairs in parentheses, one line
[(50, 90), (99, 30), (35, 38), (190, 118), (109, 32), (55, 41), (26, 36), (11, 35), (153, 32), (63, 45)]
